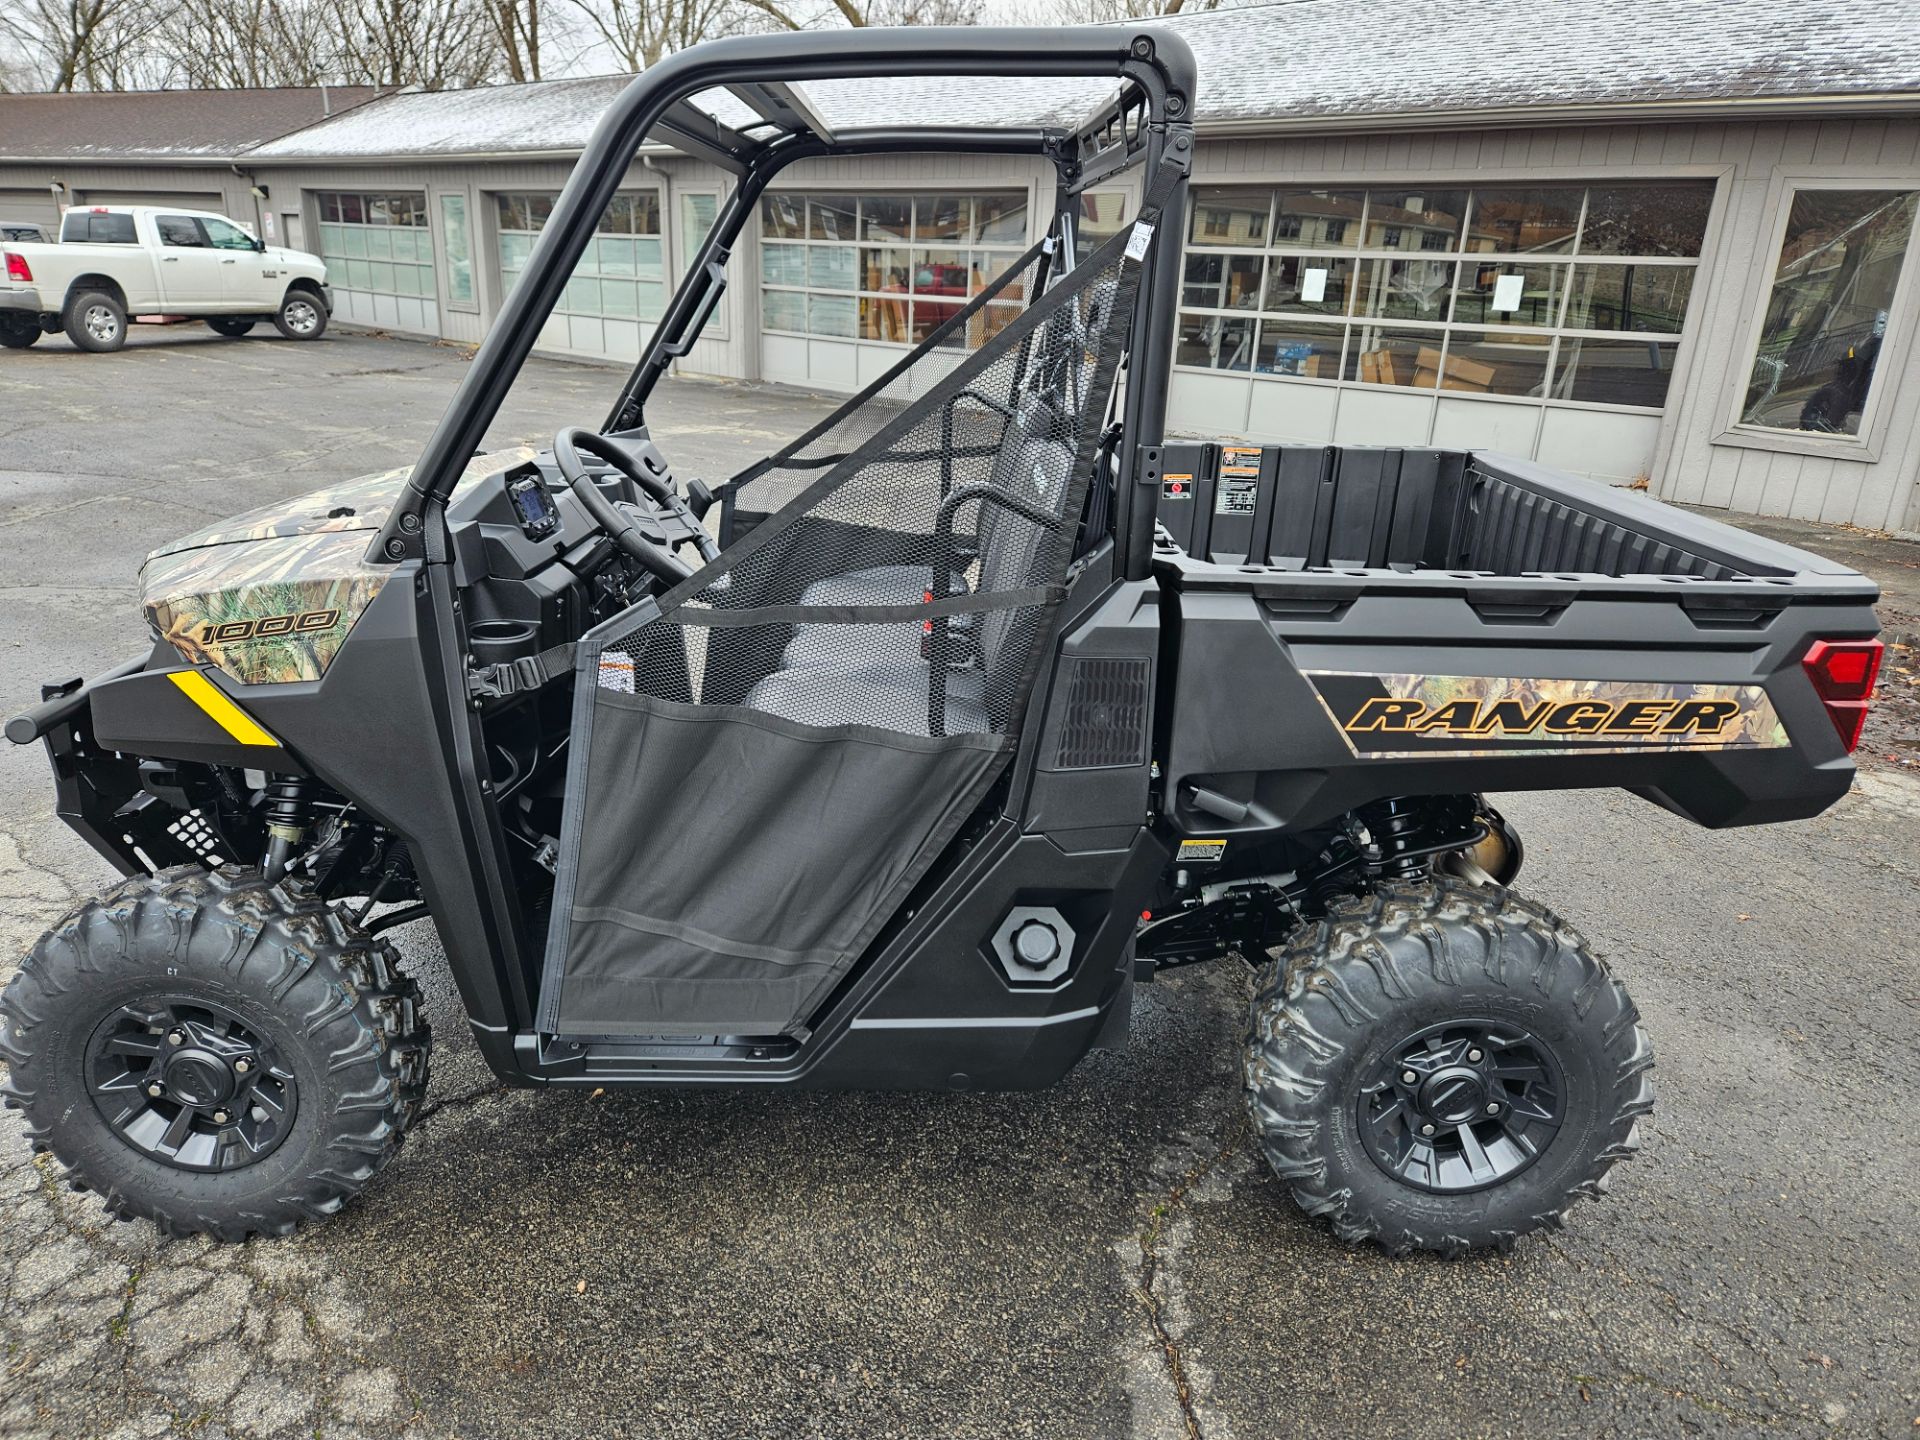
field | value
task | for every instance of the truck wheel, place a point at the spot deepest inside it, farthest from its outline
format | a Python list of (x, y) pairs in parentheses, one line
[(19, 334), (301, 317), (96, 321), (1444, 1067), (228, 326), (222, 1056)]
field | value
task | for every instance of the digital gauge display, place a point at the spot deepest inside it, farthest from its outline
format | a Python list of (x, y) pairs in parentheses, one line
[(533, 507)]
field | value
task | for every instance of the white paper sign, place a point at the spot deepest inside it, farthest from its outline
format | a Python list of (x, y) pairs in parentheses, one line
[(1313, 286), (1507, 291), (1138, 241)]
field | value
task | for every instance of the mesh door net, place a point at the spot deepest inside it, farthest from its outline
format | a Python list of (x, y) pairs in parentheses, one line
[(767, 757)]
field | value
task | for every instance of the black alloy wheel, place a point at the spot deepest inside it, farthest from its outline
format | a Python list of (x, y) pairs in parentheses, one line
[(187, 1083)]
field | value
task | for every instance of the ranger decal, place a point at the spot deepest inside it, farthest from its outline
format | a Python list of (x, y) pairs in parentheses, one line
[(1394, 716)]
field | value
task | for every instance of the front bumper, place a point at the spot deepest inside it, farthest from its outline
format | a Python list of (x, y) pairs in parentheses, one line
[(326, 296)]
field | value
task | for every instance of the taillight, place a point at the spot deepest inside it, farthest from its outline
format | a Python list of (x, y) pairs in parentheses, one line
[(1843, 672), (17, 268)]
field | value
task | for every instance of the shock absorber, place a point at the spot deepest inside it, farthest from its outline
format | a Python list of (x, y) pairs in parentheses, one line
[(288, 814), (1396, 826)]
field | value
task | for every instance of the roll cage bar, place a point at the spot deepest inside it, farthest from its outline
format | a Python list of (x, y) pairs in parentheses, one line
[(1149, 120)]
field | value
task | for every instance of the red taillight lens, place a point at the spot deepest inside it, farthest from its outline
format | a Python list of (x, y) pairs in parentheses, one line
[(1843, 672), (17, 268)]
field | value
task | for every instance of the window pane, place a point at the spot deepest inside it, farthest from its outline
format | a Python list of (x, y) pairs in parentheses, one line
[(1655, 219), (1417, 218), (830, 217), (379, 245), (941, 217), (1000, 219), (649, 263), (940, 272), (832, 267), (1509, 294), (885, 217), (1396, 357), (653, 299), (697, 214), (783, 264), (354, 241), (453, 223), (1529, 219), (888, 269), (646, 212), (352, 212), (930, 315), (617, 218), (1495, 364), (1229, 217), (1828, 308), (1319, 283), (783, 310), (1614, 372), (1221, 281), (1300, 347), (1405, 289), (611, 255), (991, 321), (884, 319), (539, 210), (783, 217), (1218, 342), (1630, 297), (226, 236), (178, 231), (1317, 217), (617, 298), (831, 315)]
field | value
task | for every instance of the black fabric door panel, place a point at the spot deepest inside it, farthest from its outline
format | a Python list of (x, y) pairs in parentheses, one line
[(806, 827)]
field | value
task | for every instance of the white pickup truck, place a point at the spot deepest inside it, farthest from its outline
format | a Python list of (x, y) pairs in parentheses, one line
[(114, 261)]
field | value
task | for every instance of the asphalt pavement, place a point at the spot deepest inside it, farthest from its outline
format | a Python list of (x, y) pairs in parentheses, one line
[(1105, 1259)]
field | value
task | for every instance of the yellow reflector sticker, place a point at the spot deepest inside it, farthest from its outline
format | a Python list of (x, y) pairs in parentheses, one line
[(224, 713)]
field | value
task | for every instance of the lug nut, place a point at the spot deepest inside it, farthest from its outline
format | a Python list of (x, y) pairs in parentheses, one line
[(219, 1117), (1407, 1077), (176, 1037), (156, 1090), (1426, 1129), (242, 1065), (1474, 1055), (1493, 1107)]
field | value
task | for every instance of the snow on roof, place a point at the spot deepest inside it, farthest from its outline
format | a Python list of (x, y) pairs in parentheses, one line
[(162, 124), (1307, 60)]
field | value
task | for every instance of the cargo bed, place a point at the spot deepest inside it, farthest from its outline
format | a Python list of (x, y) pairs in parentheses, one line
[(1427, 621)]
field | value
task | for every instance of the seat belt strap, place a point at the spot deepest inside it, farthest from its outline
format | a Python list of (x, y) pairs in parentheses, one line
[(516, 677)]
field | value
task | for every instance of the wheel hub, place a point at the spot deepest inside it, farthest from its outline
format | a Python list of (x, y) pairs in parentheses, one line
[(187, 1083), (1461, 1106)]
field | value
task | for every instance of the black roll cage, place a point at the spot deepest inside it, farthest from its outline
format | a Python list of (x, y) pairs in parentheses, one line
[(463, 851)]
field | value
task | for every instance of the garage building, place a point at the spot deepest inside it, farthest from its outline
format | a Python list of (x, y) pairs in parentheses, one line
[(1668, 243)]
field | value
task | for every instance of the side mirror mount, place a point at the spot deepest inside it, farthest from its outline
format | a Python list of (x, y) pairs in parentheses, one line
[(259, 247)]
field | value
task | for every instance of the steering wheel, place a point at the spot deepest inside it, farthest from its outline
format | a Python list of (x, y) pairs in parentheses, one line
[(618, 525)]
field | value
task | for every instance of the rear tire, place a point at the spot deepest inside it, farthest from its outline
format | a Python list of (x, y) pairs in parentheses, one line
[(287, 1039), (301, 316), (1381, 1030), (229, 327), (96, 321), (19, 334)]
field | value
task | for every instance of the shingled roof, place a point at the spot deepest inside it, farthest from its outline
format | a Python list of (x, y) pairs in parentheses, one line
[(1322, 64), (175, 125)]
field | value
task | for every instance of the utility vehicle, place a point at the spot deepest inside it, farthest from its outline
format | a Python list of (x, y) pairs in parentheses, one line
[(903, 756), (114, 261)]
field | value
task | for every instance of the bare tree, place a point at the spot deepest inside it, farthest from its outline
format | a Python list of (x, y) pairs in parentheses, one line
[(73, 44), (216, 44), (519, 25), (814, 14), (642, 32), (435, 44)]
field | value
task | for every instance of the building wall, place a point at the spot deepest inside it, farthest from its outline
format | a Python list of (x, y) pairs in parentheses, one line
[(197, 187), (1694, 454)]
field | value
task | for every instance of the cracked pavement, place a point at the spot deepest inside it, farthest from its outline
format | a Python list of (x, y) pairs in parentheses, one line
[(1108, 1258)]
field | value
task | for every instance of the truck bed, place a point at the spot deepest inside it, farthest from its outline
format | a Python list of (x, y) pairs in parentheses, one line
[(1404, 621)]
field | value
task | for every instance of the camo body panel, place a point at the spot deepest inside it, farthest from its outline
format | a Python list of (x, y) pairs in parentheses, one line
[(1754, 725), (297, 567)]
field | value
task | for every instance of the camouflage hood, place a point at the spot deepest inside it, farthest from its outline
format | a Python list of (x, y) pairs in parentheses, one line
[(270, 595), (360, 504)]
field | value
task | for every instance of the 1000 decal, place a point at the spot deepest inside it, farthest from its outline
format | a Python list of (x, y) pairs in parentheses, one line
[(1405, 715)]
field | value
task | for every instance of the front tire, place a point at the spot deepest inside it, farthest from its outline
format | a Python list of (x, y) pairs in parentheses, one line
[(221, 1056), (231, 328), (1444, 1066), (96, 321), (301, 316)]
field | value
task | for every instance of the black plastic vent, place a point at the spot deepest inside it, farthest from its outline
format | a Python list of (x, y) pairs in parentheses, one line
[(1105, 722)]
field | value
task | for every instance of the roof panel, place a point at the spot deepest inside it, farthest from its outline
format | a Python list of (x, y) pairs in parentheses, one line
[(163, 124)]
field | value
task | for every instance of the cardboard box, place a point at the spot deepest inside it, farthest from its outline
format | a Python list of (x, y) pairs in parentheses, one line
[(1461, 373)]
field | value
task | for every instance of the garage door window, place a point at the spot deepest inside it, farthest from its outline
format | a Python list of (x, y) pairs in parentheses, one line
[(1833, 287), (887, 268), (1572, 294), (376, 242), (623, 273)]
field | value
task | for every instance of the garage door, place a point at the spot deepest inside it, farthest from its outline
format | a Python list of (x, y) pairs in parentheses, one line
[(33, 205), (171, 199), (379, 257)]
